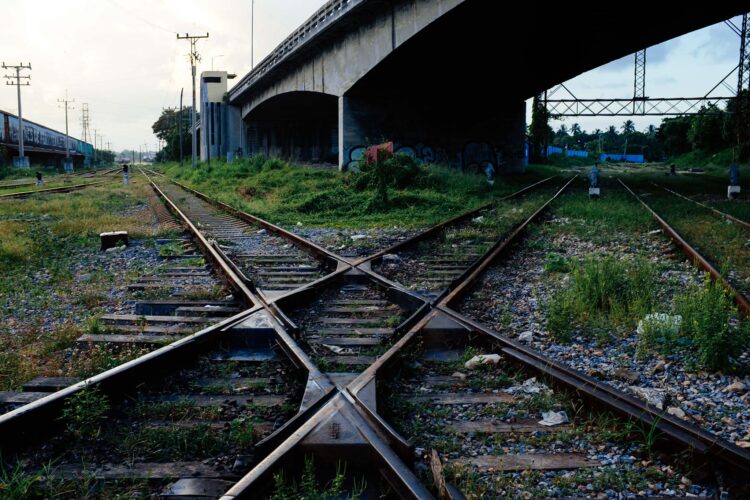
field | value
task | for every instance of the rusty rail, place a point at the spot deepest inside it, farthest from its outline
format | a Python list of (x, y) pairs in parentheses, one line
[(725, 215), (692, 254), (459, 218), (64, 189)]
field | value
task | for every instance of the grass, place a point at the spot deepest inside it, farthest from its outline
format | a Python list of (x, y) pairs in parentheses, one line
[(285, 194), (84, 412), (710, 331), (603, 291), (44, 242), (309, 488)]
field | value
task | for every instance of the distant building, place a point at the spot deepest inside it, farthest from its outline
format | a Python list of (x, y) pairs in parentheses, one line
[(219, 129), (43, 145)]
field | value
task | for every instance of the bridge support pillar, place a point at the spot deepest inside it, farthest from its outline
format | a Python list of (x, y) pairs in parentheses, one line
[(465, 132)]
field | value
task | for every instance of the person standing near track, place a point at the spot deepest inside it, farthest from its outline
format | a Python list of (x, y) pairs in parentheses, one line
[(39, 181), (125, 174), (734, 174)]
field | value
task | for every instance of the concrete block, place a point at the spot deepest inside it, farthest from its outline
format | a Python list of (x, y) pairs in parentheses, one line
[(113, 239), (594, 192), (733, 192)]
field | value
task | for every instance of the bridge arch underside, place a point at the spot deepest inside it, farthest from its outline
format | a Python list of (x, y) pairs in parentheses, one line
[(455, 92), (446, 80), (298, 126)]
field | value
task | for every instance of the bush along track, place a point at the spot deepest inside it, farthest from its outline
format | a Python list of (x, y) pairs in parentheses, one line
[(618, 303)]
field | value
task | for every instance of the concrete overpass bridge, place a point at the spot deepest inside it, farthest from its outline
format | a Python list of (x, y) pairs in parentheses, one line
[(446, 80)]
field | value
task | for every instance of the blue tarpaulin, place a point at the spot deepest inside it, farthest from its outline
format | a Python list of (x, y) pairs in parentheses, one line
[(616, 157)]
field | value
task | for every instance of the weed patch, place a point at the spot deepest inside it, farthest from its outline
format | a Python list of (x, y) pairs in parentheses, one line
[(602, 292)]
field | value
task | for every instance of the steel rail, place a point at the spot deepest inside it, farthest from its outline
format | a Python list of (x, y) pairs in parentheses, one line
[(369, 374), (303, 243), (725, 215), (399, 475), (742, 302), (234, 281), (438, 227), (23, 424), (64, 189), (680, 431), (478, 268)]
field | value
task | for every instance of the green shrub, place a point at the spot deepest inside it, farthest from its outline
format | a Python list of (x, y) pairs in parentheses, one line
[(556, 263), (602, 292), (84, 412), (660, 333), (709, 324)]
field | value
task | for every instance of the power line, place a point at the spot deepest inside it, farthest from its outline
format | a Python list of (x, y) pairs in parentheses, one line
[(141, 18)]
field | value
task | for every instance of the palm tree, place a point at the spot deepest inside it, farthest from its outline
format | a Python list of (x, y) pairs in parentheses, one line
[(628, 127)]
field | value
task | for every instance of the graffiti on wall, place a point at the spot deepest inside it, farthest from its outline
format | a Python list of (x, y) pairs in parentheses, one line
[(472, 157), (42, 137), (420, 152)]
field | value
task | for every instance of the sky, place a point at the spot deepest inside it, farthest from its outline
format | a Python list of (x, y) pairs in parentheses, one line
[(123, 59), (687, 66)]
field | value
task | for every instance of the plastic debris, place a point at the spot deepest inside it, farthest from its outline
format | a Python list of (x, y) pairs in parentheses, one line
[(531, 386), (526, 336), (662, 322), (550, 418), (482, 359)]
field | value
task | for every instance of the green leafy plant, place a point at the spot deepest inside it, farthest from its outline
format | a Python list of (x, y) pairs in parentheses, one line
[(309, 489), (556, 263), (602, 291), (16, 483), (85, 411), (242, 432), (660, 333), (710, 324)]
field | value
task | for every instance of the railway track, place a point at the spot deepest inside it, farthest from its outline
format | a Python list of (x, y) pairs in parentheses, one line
[(272, 261), (63, 189), (743, 303), (370, 370), (432, 262), (716, 212)]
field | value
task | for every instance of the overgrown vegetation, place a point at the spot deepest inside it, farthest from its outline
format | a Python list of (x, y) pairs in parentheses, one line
[(309, 489), (286, 194), (709, 329), (602, 292), (84, 412)]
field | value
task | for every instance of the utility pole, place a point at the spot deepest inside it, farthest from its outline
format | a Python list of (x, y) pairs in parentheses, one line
[(194, 58), (65, 103), (180, 126), (22, 161), (95, 131)]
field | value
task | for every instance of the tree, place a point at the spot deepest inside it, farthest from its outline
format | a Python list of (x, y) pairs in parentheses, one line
[(706, 131), (628, 127), (673, 135), (167, 129), (539, 131)]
